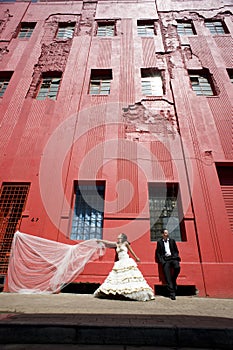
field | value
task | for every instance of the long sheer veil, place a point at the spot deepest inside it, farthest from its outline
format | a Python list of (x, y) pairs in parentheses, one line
[(39, 265)]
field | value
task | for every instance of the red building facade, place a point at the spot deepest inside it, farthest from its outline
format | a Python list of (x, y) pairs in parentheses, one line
[(116, 116)]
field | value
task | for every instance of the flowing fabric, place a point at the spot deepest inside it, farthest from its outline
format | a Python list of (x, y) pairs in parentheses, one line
[(39, 265), (125, 279)]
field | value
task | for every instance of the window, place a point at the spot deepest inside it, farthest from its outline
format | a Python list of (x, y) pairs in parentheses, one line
[(13, 198), (201, 83), (185, 28), (65, 31), (230, 73), (100, 81), (49, 87), (105, 29), (225, 175), (26, 30), (216, 27), (164, 205), (151, 82), (88, 211), (4, 81), (146, 28)]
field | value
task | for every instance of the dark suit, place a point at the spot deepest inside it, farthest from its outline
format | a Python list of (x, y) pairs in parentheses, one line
[(169, 263)]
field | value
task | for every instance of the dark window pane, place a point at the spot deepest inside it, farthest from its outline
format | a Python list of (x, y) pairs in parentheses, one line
[(164, 210), (88, 212)]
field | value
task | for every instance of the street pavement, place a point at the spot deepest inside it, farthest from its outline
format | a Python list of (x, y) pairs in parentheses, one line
[(80, 321)]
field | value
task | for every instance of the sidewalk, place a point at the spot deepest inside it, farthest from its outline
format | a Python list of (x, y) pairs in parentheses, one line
[(190, 322)]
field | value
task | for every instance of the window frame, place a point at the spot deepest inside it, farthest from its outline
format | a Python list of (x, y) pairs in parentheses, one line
[(212, 26), (148, 81), (230, 74), (13, 200), (100, 81), (170, 188), (29, 26), (203, 80), (49, 76), (95, 230), (224, 174), (146, 24), (104, 24), (65, 26), (5, 78), (186, 31)]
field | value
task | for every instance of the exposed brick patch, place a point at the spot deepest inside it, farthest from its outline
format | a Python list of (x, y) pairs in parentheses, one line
[(53, 58), (147, 118)]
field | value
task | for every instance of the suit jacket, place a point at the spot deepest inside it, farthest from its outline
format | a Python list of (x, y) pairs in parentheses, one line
[(160, 251)]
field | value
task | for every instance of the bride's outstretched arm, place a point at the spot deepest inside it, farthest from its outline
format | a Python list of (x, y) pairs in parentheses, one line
[(132, 252), (108, 244)]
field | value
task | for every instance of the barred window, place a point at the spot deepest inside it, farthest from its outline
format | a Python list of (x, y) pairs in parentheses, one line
[(225, 175), (106, 29), (185, 28), (100, 82), (13, 198), (151, 81), (216, 27), (5, 78), (146, 28), (164, 204), (26, 30), (49, 87), (88, 212), (65, 31), (202, 83)]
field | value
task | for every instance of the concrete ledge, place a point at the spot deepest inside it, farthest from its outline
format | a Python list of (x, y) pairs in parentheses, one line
[(152, 330)]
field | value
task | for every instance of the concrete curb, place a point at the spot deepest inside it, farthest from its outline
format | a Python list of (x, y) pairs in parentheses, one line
[(100, 329)]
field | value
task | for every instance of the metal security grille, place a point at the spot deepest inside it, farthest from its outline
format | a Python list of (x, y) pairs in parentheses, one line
[(164, 211), (88, 212), (12, 201), (225, 175)]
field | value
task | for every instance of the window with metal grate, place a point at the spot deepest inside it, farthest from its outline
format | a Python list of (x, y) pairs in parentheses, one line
[(165, 209), (88, 214), (13, 198)]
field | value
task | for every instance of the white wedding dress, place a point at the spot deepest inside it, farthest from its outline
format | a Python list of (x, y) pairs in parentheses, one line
[(125, 280)]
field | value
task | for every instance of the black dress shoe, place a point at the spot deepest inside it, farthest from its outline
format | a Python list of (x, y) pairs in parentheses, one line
[(172, 297)]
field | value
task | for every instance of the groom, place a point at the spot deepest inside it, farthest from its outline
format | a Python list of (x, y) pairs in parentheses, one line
[(167, 254)]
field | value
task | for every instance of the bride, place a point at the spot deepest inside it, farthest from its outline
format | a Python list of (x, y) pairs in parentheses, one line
[(125, 279)]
